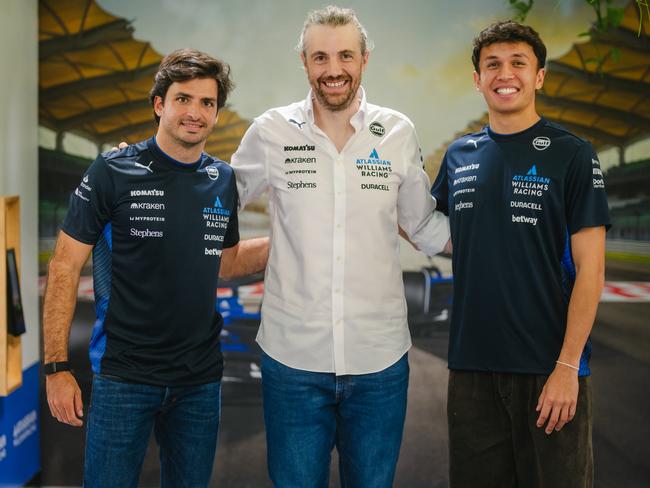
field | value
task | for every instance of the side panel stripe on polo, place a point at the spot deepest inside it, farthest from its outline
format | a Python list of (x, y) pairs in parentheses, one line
[(102, 268)]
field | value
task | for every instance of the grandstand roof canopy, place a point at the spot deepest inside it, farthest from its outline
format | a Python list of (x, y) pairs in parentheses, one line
[(94, 78), (600, 89)]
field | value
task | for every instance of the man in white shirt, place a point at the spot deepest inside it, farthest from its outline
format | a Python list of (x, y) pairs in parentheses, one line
[(342, 175)]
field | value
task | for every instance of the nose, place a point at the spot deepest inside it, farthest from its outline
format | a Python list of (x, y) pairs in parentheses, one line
[(505, 72), (334, 66), (193, 109)]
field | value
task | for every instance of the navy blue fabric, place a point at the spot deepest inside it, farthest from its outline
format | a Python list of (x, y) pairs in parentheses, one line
[(158, 228), (513, 203)]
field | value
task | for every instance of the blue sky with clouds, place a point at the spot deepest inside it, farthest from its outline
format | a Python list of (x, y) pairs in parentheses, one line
[(420, 65)]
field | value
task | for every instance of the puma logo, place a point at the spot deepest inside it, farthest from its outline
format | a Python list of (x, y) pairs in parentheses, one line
[(299, 124), (147, 167), (475, 142)]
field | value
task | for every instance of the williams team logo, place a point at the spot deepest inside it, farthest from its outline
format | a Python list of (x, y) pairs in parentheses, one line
[(212, 171), (531, 184), (541, 143), (374, 166), (377, 129)]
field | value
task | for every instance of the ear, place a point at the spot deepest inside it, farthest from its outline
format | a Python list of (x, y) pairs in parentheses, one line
[(477, 81), (158, 105), (304, 61), (539, 79), (364, 62)]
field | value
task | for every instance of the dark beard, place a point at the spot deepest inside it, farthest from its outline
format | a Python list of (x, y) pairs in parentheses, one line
[(344, 104)]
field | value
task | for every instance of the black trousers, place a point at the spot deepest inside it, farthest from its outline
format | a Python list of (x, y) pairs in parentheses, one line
[(494, 440)]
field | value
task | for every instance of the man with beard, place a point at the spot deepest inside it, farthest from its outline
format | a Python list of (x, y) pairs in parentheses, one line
[(342, 175), (161, 219), (528, 209)]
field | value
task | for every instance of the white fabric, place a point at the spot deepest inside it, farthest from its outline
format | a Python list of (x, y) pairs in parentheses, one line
[(334, 297)]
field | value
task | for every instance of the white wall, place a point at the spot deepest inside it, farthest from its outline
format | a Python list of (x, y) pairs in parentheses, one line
[(19, 146)]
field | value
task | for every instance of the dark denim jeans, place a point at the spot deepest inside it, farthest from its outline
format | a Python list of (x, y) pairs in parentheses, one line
[(185, 421), (307, 414)]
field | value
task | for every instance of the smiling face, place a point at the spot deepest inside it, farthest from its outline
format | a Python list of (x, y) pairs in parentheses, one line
[(188, 113), (334, 64), (508, 79)]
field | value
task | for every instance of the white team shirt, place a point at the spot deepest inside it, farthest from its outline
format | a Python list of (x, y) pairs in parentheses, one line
[(334, 296)]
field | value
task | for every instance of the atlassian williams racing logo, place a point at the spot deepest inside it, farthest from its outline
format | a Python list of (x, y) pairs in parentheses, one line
[(212, 171), (530, 184), (541, 143), (374, 166)]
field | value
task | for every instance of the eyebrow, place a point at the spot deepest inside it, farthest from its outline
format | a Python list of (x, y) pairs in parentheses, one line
[(323, 53), (516, 55), (187, 95)]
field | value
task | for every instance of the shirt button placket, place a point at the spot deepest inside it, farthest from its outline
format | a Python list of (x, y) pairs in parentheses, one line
[(338, 249)]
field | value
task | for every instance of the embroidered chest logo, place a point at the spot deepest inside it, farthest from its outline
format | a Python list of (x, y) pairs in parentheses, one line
[(541, 143), (374, 166)]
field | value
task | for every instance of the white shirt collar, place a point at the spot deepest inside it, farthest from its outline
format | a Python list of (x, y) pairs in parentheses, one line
[(357, 119)]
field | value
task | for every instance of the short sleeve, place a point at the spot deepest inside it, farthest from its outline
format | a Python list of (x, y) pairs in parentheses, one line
[(427, 229), (91, 204), (440, 188), (250, 165), (584, 192)]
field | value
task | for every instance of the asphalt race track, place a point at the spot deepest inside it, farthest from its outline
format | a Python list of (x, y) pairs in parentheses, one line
[(621, 374)]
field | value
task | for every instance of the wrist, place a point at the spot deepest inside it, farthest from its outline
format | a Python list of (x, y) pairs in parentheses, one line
[(568, 366), (55, 367)]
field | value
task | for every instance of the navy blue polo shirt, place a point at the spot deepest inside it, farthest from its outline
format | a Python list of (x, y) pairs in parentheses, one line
[(513, 202), (158, 228)]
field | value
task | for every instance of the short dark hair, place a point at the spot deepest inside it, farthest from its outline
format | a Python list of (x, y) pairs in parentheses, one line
[(188, 64), (509, 31)]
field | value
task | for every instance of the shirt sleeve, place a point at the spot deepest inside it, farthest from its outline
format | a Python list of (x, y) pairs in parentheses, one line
[(416, 215), (90, 204), (232, 233), (251, 165), (440, 188), (584, 192)]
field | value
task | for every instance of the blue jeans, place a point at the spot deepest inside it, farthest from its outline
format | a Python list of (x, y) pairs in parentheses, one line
[(307, 414), (185, 422)]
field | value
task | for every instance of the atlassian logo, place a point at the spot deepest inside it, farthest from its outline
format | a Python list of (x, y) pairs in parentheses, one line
[(532, 176), (373, 159), (217, 208), (541, 143), (213, 172)]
